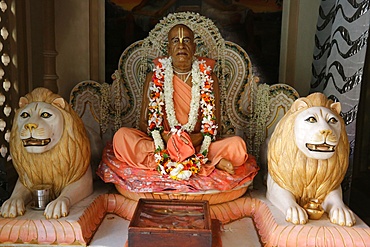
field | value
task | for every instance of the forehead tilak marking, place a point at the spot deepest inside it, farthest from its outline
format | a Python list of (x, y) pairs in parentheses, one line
[(181, 34)]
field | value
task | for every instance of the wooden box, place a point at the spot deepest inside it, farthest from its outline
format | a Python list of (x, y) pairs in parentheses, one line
[(162, 223)]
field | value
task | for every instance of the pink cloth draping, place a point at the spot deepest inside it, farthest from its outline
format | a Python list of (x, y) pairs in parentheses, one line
[(112, 170)]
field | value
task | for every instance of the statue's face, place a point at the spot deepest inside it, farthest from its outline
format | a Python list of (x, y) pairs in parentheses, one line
[(181, 46), (317, 131), (40, 126)]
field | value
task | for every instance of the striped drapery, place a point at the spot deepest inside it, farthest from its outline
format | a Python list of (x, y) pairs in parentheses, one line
[(338, 60)]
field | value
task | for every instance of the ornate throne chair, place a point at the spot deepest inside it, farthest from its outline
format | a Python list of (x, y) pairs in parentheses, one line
[(245, 103)]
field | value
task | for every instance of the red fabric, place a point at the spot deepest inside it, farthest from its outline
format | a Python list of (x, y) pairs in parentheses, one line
[(112, 170)]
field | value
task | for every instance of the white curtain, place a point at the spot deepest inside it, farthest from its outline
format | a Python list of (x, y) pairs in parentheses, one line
[(338, 60)]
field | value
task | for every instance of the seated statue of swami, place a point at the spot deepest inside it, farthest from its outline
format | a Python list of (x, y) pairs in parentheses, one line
[(176, 146)]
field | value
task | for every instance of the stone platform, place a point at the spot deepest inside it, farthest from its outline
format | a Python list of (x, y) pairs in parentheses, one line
[(106, 207)]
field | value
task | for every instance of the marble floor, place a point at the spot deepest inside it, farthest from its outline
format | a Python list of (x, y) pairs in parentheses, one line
[(113, 232)]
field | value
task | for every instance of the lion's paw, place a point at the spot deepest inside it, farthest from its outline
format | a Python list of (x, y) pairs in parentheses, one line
[(57, 208), (296, 215), (13, 207), (342, 216)]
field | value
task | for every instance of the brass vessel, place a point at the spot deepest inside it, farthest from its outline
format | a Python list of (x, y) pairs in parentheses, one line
[(314, 209)]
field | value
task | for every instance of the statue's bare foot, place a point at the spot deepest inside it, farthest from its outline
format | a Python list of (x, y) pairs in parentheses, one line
[(225, 165)]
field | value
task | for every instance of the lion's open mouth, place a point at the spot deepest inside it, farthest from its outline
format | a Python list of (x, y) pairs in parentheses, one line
[(35, 142), (320, 147)]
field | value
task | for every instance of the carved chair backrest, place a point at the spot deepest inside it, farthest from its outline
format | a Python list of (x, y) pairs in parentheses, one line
[(233, 67)]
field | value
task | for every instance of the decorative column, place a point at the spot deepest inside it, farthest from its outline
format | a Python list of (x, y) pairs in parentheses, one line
[(50, 76)]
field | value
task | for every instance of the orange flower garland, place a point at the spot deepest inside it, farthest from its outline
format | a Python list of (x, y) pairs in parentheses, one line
[(202, 96)]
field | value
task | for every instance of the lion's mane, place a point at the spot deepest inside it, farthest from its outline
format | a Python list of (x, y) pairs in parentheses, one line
[(305, 177), (65, 163)]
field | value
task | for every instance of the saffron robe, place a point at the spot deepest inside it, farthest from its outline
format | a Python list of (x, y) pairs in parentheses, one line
[(134, 149)]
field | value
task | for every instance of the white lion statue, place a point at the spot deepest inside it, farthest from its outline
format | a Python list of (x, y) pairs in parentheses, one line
[(48, 145), (307, 160)]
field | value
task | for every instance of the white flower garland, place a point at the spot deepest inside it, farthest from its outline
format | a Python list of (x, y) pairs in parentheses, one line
[(168, 96), (161, 89)]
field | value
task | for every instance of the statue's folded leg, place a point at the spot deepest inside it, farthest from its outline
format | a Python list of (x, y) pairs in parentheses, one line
[(224, 153), (134, 147)]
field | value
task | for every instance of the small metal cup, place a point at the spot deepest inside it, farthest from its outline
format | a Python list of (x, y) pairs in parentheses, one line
[(40, 196)]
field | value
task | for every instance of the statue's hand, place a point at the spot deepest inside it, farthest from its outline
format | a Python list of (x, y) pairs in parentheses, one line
[(13, 207), (166, 136), (58, 208), (197, 139)]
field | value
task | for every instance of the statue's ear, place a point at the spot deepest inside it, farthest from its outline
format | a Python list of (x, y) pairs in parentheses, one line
[(337, 107), (23, 101), (60, 102), (299, 104)]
